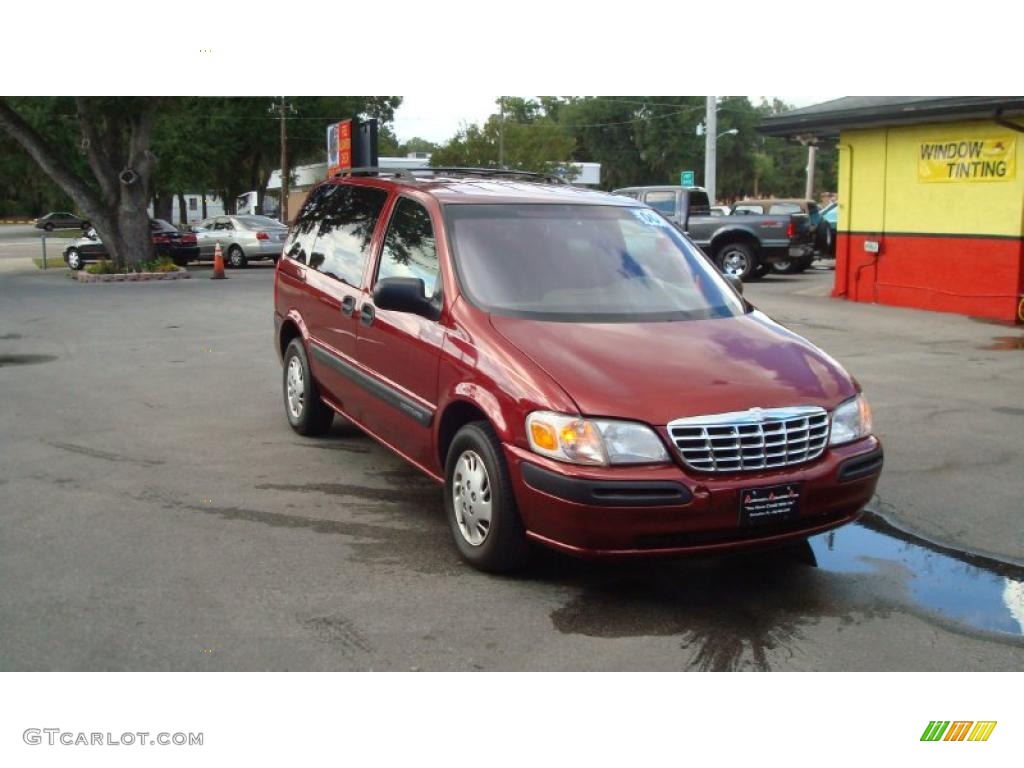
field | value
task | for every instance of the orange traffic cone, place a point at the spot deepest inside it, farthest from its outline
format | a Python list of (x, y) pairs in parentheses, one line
[(218, 264)]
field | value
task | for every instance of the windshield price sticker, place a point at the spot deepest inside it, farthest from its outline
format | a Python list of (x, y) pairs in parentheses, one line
[(648, 217)]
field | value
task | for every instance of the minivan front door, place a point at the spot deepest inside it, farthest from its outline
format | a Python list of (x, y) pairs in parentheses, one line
[(398, 350)]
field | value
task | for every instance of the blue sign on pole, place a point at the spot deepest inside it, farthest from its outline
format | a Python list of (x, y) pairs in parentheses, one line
[(686, 179)]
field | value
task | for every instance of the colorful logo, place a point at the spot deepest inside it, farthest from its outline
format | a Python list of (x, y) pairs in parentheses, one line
[(958, 730)]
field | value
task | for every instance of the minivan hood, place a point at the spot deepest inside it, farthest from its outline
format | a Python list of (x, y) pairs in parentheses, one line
[(659, 371)]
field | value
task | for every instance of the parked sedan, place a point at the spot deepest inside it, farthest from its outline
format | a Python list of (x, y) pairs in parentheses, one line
[(241, 238), (168, 241), (61, 220)]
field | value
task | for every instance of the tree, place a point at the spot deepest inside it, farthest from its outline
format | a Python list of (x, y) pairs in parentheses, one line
[(532, 141), (114, 136)]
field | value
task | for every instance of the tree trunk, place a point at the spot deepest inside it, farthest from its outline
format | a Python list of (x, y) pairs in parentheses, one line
[(182, 211), (121, 164), (163, 207)]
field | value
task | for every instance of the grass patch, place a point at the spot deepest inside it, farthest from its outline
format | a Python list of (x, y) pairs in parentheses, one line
[(51, 262), (106, 267)]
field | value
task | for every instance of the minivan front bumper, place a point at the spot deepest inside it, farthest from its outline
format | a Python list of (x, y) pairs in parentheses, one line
[(660, 510)]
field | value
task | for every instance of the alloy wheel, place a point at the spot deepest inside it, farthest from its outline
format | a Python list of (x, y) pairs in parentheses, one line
[(734, 262)]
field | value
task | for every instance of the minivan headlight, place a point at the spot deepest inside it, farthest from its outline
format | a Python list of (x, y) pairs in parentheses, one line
[(851, 421), (597, 442)]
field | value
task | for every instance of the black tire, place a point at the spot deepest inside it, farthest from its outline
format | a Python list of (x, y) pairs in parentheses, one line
[(236, 257), (78, 259), (504, 546), (312, 417), (48, 226), (790, 266), (740, 260)]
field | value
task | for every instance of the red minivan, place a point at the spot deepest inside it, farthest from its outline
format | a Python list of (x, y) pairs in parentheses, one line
[(567, 363)]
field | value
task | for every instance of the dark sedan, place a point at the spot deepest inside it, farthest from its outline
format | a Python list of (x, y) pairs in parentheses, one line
[(61, 220), (167, 241)]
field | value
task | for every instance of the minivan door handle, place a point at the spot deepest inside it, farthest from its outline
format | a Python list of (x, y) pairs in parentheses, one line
[(348, 306), (366, 314)]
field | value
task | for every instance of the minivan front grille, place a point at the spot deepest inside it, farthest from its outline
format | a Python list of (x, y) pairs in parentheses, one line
[(744, 441)]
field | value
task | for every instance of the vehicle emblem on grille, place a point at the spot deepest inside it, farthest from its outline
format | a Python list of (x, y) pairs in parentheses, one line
[(757, 413)]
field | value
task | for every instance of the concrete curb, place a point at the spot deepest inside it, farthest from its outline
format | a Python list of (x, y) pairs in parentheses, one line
[(131, 277), (18, 221)]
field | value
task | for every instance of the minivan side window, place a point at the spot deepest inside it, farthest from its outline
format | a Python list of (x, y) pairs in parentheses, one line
[(409, 247), (345, 230)]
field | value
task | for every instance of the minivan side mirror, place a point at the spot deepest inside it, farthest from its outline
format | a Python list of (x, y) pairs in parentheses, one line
[(404, 294), (735, 282)]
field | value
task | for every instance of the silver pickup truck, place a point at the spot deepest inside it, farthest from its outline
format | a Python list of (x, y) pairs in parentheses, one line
[(744, 246)]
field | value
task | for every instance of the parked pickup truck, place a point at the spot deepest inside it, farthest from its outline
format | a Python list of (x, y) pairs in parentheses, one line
[(744, 246)]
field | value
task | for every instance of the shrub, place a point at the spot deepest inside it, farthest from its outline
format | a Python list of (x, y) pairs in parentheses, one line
[(101, 267)]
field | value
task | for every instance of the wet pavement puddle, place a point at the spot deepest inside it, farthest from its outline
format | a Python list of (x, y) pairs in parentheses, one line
[(748, 611), (979, 592), (1006, 343), (25, 359)]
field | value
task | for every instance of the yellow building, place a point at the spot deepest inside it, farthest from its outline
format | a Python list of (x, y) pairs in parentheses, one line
[(931, 199)]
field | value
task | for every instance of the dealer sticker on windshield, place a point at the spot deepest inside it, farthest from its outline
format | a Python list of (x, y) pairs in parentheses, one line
[(772, 504), (648, 217)]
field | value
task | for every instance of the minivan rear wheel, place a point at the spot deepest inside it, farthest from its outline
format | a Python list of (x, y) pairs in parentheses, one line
[(479, 502), (307, 413)]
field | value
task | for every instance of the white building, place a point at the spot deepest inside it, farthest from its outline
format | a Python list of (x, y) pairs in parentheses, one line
[(193, 212)]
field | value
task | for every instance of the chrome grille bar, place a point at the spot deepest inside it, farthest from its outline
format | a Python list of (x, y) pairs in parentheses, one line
[(744, 441)]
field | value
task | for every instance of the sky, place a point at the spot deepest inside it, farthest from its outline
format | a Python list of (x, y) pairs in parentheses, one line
[(421, 115)]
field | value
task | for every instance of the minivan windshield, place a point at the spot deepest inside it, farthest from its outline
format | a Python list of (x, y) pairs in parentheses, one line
[(583, 263)]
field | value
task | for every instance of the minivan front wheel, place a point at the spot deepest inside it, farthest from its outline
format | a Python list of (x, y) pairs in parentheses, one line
[(738, 259), (479, 503), (307, 413)]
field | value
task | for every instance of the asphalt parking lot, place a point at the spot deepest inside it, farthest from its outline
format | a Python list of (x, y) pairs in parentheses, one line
[(157, 513)]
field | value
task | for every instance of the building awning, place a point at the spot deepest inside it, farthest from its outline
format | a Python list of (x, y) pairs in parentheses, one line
[(828, 118)]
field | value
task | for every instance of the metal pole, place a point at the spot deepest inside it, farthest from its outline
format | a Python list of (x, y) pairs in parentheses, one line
[(710, 137), (501, 132), (285, 171), (44, 251), (812, 152)]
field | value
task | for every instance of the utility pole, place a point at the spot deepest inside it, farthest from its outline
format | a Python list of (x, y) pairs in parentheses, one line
[(501, 132), (282, 109), (710, 137), (812, 152)]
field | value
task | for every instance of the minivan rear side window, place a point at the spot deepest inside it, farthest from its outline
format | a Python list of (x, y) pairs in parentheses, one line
[(409, 248), (349, 217), (303, 234)]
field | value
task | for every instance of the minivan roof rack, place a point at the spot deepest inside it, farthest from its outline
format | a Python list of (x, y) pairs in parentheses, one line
[(410, 173)]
